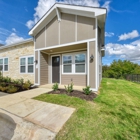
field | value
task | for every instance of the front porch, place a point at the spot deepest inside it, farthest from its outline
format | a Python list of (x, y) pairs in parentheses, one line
[(49, 86), (67, 64)]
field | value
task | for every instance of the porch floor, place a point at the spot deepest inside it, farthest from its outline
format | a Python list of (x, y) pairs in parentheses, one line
[(80, 88)]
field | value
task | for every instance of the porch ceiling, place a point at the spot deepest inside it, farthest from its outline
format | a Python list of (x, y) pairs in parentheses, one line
[(76, 47)]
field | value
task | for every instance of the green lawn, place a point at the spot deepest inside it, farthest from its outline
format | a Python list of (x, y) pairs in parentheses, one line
[(113, 115)]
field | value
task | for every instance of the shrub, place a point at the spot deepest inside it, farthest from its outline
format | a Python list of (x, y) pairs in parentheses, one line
[(6, 79), (18, 81), (26, 85), (55, 87), (3, 89), (69, 88), (87, 90), (3, 84), (12, 89)]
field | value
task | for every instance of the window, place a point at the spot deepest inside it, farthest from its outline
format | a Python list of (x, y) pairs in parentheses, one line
[(30, 64), (67, 64), (80, 63), (74, 63), (27, 64), (1, 64), (4, 64)]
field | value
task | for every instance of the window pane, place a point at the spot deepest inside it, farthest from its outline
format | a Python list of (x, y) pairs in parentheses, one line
[(80, 58), (1, 67), (67, 59), (6, 61), (67, 69), (1, 61), (5, 67), (80, 68), (30, 60), (30, 69), (22, 69), (22, 61)]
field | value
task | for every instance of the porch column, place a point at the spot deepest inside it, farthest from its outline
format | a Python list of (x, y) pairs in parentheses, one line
[(91, 70)]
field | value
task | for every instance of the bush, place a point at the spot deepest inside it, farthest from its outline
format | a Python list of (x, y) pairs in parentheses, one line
[(26, 85), (12, 89), (87, 90), (3, 89), (69, 88), (55, 87)]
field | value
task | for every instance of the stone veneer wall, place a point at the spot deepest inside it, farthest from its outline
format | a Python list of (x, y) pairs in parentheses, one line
[(14, 53)]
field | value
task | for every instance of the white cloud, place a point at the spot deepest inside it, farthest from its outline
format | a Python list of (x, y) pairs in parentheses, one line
[(126, 51), (44, 5), (4, 32), (130, 35), (13, 38), (30, 24), (109, 34), (13, 29), (107, 5), (94, 3)]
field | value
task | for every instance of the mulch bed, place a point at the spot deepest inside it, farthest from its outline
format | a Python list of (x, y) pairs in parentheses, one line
[(75, 93)]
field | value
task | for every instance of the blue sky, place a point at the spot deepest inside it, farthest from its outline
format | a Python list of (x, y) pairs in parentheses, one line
[(122, 39)]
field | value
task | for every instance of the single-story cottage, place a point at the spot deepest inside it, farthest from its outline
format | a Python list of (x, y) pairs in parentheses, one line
[(67, 46)]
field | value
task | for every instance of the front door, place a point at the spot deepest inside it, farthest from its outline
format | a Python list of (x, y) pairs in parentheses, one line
[(56, 69)]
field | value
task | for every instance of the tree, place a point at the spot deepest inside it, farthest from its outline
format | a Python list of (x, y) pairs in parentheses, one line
[(119, 69)]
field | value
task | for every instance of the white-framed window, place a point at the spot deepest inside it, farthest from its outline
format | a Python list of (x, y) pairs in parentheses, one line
[(67, 64), (74, 63), (4, 64), (27, 64)]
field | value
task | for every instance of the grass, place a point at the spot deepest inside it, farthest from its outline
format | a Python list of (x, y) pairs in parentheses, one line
[(113, 115)]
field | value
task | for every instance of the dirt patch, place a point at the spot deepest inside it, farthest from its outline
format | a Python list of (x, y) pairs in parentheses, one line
[(75, 93)]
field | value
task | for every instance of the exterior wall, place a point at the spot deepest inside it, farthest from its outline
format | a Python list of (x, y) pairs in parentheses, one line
[(85, 28), (67, 29), (52, 33), (92, 65), (40, 39), (78, 80), (71, 28), (14, 53), (99, 54), (43, 68)]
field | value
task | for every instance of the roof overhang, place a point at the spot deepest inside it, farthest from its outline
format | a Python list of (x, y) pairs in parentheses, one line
[(58, 8)]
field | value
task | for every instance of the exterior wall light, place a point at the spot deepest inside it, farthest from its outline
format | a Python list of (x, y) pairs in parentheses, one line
[(36, 61), (91, 57)]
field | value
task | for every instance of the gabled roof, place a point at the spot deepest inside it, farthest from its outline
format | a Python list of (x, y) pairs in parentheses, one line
[(59, 8), (17, 43)]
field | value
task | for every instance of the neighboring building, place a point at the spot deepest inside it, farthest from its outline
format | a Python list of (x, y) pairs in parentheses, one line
[(17, 60), (68, 47)]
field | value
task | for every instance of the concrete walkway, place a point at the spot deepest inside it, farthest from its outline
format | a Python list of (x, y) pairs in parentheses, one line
[(22, 118)]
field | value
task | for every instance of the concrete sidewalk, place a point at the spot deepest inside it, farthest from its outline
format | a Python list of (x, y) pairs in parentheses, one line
[(26, 119)]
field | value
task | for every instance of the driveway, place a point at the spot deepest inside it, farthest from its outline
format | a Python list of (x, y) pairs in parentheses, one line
[(26, 119)]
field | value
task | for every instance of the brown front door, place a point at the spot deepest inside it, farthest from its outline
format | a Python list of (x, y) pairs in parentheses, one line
[(56, 69)]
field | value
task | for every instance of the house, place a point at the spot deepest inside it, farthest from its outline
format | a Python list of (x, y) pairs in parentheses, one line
[(17, 60), (68, 47)]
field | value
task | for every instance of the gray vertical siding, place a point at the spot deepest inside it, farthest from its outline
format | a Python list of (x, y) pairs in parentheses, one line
[(43, 68)]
